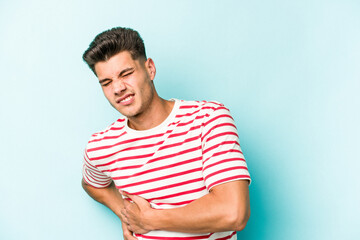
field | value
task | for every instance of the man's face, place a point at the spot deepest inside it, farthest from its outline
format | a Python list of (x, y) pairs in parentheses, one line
[(127, 83)]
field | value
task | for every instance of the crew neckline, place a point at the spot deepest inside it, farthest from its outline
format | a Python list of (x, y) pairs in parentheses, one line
[(158, 127)]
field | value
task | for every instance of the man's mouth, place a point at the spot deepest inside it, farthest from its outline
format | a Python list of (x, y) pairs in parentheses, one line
[(126, 99)]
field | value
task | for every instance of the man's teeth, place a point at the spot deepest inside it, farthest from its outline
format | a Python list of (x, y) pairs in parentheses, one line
[(126, 99)]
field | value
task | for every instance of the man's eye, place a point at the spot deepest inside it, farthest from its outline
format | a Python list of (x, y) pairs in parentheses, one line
[(105, 84), (127, 74)]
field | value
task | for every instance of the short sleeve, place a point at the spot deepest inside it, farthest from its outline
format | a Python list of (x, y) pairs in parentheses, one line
[(223, 160), (93, 176)]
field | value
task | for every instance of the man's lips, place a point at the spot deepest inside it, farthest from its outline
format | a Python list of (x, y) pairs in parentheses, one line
[(125, 99)]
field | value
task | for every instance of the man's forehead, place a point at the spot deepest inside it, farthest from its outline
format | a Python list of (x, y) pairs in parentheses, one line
[(115, 65)]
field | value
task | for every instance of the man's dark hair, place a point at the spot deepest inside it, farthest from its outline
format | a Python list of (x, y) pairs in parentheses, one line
[(110, 42)]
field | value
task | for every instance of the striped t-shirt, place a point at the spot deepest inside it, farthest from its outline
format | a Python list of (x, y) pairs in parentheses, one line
[(171, 165)]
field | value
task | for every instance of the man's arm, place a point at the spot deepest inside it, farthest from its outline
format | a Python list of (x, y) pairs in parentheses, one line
[(225, 208), (110, 197)]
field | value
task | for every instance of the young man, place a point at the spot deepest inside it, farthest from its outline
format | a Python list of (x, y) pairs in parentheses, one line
[(167, 168)]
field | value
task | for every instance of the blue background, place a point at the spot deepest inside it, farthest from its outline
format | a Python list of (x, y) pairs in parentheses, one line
[(288, 70)]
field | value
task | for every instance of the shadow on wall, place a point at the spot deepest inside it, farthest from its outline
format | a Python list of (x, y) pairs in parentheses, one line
[(258, 224), (258, 217)]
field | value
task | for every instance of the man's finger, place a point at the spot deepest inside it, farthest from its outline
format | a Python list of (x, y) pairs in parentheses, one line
[(129, 196), (125, 194), (126, 202), (124, 216), (128, 235), (129, 228), (136, 199)]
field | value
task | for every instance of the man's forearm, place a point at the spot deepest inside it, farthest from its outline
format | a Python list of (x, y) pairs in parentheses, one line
[(215, 212), (225, 208), (108, 196)]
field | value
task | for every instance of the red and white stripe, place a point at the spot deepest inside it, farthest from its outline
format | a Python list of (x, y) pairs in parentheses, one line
[(171, 165)]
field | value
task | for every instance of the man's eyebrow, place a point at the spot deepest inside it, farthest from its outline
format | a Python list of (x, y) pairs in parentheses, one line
[(120, 74), (125, 70), (104, 80)]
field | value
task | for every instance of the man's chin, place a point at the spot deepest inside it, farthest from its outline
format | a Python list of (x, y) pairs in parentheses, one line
[(128, 114), (123, 111), (127, 111)]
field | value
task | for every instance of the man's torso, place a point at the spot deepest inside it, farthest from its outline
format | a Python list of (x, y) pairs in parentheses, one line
[(174, 163)]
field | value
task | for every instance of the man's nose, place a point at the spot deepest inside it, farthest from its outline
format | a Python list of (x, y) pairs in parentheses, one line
[(119, 86)]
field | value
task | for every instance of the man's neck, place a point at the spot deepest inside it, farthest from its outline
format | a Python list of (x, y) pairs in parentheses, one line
[(158, 111)]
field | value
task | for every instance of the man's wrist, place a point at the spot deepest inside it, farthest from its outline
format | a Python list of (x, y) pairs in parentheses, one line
[(151, 219)]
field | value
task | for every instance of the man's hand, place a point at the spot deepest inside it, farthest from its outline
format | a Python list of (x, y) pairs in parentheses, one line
[(111, 198), (128, 235), (135, 214)]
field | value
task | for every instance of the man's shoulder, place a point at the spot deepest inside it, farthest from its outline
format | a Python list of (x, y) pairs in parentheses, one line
[(203, 104), (205, 107), (112, 131)]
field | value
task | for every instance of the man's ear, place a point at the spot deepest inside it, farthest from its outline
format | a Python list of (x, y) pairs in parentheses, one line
[(150, 66)]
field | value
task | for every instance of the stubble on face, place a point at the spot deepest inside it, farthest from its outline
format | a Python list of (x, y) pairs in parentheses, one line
[(141, 105), (136, 83)]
